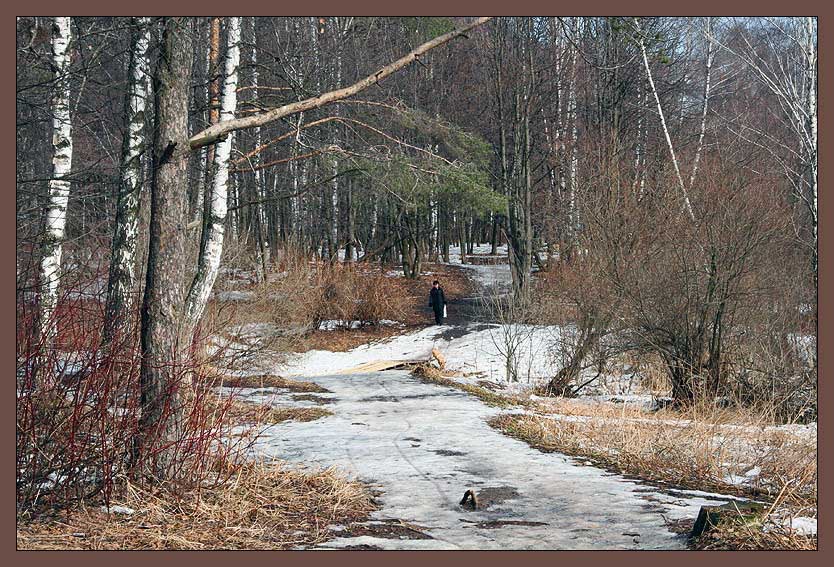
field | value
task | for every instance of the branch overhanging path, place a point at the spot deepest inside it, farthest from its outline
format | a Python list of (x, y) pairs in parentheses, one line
[(224, 127)]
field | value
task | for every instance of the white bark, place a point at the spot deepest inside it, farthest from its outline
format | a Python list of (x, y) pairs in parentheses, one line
[(573, 217), (796, 91), (639, 152), (260, 189), (123, 260), (710, 56), (59, 187), (211, 246), (811, 104), (684, 192)]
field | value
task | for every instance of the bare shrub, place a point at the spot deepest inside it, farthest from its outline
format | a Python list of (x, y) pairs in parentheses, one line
[(77, 426), (301, 294), (718, 300), (512, 333)]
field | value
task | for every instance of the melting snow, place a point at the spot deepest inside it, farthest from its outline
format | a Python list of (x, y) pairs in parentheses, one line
[(423, 445)]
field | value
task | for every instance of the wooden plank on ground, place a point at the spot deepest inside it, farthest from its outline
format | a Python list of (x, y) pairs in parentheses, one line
[(375, 366)]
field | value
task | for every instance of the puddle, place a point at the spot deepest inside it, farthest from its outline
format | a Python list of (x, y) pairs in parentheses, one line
[(312, 398), (459, 331), (492, 495), (494, 524), (448, 453), (386, 529)]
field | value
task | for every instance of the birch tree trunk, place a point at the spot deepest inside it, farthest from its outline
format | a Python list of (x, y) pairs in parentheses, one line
[(162, 323), (122, 277), (258, 217), (684, 192), (211, 244), (811, 104), (213, 114), (710, 56), (573, 217), (59, 187)]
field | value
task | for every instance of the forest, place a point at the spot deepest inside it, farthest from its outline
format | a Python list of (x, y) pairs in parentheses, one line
[(231, 233)]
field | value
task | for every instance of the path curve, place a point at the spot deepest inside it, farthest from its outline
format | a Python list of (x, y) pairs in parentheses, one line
[(422, 445)]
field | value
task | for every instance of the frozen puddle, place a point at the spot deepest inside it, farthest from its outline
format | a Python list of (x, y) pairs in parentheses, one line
[(423, 445)]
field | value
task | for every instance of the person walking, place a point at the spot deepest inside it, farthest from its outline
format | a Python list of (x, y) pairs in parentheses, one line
[(437, 301)]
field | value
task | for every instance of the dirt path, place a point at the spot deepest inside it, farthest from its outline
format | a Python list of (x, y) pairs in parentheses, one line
[(423, 445)]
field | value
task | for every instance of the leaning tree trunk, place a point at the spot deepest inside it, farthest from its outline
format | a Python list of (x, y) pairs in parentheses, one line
[(211, 245), (122, 276), (685, 194), (161, 334), (59, 187)]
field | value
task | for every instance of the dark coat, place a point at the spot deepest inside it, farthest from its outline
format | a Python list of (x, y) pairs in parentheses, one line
[(437, 299)]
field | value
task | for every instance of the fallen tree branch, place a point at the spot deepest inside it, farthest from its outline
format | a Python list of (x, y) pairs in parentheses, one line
[(217, 131)]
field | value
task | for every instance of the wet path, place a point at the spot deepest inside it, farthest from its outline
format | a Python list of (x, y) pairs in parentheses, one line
[(423, 445)]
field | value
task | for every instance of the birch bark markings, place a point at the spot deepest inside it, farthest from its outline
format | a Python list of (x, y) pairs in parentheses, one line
[(811, 104), (211, 245), (710, 56), (684, 192), (59, 186), (122, 276), (201, 210)]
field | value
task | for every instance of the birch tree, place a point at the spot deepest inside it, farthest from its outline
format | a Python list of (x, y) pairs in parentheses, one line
[(684, 193), (213, 95), (709, 58), (788, 70), (59, 185), (121, 281), (211, 244)]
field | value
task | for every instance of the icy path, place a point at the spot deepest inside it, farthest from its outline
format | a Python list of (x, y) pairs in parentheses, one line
[(423, 445)]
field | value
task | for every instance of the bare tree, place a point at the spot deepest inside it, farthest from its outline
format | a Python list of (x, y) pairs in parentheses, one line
[(217, 131), (788, 70)]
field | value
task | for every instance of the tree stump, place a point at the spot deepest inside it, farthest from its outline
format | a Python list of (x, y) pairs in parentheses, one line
[(469, 496), (710, 517)]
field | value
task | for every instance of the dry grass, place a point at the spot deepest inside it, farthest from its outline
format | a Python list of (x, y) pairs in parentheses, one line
[(269, 381), (694, 450), (279, 415), (247, 413), (255, 505), (744, 533), (430, 373), (343, 340), (301, 293), (263, 506)]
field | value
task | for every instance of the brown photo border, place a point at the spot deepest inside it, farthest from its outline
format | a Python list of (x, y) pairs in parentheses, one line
[(409, 558)]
